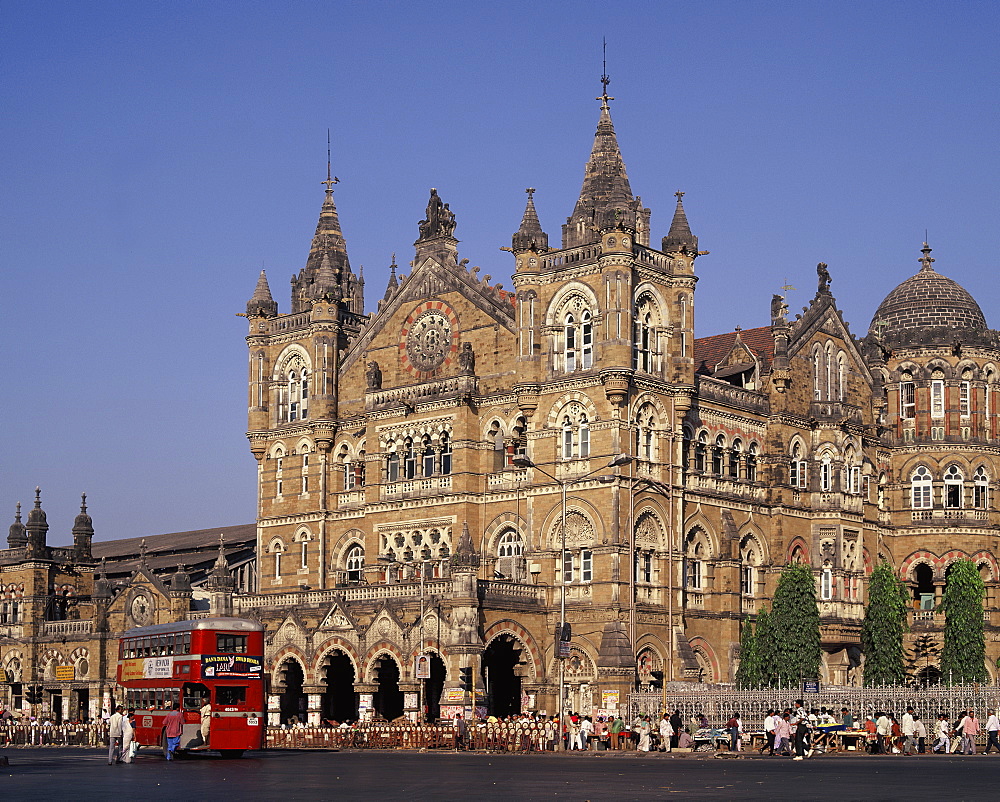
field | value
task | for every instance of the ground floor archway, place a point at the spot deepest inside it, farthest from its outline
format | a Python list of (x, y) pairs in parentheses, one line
[(433, 688), (292, 701), (388, 698), (501, 679), (340, 702)]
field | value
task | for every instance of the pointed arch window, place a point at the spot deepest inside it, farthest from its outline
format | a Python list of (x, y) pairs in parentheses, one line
[(798, 471), (701, 452), (920, 489), (587, 342), (305, 473), (817, 373), (841, 376), (510, 544), (828, 390), (953, 487), (826, 473), (734, 459), (937, 395), (718, 454), (752, 463), (279, 474), (277, 561), (569, 329), (645, 431), (567, 438), (409, 459), (354, 563), (907, 397), (392, 466), (584, 437), (980, 489), (445, 453), (427, 456)]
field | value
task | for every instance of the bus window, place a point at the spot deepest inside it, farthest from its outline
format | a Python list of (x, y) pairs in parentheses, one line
[(175, 697), (231, 644), (186, 643), (230, 695), (159, 699), (195, 695), (170, 644)]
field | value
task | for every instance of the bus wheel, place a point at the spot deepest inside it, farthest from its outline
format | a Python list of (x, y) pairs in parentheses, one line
[(231, 754), (163, 742)]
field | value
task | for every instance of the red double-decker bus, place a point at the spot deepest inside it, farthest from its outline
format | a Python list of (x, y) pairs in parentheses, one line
[(214, 661)]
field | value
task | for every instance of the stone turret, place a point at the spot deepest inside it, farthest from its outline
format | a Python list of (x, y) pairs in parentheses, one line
[(17, 537), (530, 237), (83, 534), (679, 238), (262, 304), (220, 584), (37, 528)]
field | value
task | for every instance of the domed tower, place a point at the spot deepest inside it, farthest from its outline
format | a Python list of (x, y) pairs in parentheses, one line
[(938, 363)]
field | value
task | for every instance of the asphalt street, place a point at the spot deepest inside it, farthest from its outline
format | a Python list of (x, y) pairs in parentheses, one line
[(43, 774)]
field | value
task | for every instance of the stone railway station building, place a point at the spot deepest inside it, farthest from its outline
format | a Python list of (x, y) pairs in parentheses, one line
[(435, 474)]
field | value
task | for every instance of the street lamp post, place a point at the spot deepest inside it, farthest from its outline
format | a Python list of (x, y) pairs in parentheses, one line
[(525, 462)]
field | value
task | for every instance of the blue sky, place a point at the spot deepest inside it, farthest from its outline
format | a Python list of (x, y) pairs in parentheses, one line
[(156, 155)]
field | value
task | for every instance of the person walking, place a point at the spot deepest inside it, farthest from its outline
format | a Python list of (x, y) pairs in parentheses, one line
[(942, 732), (173, 728), (801, 731), (115, 734), (992, 733), (128, 736), (920, 734), (677, 723), (617, 727), (970, 730), (907, 727), (883, 729), (769, 727), (644, 732), (735, 727)]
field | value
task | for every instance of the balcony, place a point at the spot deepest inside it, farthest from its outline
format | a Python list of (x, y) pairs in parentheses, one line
[(506, 479), (351, 498), (725, 485), (11, 631), (82, 627), (399, 590), (500, 591), (943, 516), (415, 487), (845, 502), (716, 390)]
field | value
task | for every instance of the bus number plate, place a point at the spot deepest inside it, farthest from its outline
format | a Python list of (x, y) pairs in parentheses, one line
[(252, 722)]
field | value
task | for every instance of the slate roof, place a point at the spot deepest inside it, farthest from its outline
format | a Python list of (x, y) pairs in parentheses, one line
[(165, 552), (710, 351)]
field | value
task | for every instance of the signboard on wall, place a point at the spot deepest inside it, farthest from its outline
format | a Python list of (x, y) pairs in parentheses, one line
[(610, 699), (65, 673), (423, 667)]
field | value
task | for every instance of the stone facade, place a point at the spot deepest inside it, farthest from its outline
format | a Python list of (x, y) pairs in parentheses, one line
[(461, 413)]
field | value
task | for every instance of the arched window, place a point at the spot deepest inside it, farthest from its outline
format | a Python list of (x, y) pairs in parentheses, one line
[(567, 438), (569, 329), (392, 465), (826, 584), (953, 487), (277, 560), (920, 489), (695, 553), (798, 469), (510, 544), (427, 455), (828, 390), (752, 463), (279, 473), (584, 437), (575, 433), (734, 459), (587, 342), (293, 394), (751, 557), (409, 459), (841, 376), (445, 453), (304, 551), (826, 473), (305, 473), (817, 373), (700, 452), (645, 427), (359, 468), (718, 454), (346, 467), (980, 489), (354, 563)]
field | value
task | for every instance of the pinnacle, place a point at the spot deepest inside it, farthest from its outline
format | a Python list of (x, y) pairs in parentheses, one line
[(530, 234), (680, 237), (262, 302)]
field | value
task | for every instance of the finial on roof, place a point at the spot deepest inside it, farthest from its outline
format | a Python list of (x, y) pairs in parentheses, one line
[(83, 502), (530, 235), (17, 514), (17, 536), (605, 80), (329, 181), (393, 284), (926, 261), (38, 497), (142, 551), (262, 303)]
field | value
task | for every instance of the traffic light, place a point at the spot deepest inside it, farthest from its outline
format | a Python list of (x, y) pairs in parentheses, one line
[(33, 694), (465, 678)]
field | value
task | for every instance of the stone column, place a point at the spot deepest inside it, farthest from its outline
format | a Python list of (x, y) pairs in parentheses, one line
[(314, 704)]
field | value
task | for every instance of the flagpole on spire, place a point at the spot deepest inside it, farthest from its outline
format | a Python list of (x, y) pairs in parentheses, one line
[(605, 80), (330, 181)]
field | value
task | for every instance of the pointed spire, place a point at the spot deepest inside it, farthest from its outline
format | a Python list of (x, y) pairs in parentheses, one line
[(17, 537), (327, 239), (926, 261), (680, 238), (325, 284), (393, 285), (465, 551), (262, 304), (606, 198), (37, 526), (530, 235), (83, 533)]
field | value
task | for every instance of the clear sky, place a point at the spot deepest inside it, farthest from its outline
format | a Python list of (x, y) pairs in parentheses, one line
[(154, 156)]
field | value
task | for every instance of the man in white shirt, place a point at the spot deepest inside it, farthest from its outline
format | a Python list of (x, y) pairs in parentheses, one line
[(769, 727), (992, 733), (883, 728), (116, 732), (942, 731), (906, 726)]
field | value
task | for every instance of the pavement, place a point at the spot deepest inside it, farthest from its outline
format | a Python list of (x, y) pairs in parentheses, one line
[(286, 775)]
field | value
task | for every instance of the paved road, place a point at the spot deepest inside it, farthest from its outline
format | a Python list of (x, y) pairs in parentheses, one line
[(61, 774)]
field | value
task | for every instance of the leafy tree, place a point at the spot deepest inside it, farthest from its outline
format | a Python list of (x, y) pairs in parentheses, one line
[(883, 628), (963, 658), (795, 626), (748, 674), (921, 662), (764, 641)]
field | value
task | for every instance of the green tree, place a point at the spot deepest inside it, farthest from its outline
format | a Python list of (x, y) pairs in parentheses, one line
[(748, 674), (764, 641), (883, 628), (921, 662), (963, 658), (795, 626)]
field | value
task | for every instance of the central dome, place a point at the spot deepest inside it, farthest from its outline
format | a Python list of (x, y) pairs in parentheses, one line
[(927, 301)]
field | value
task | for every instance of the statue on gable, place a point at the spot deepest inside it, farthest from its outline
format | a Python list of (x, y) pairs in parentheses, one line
[(467, 358), (438, 220), (373, 376), (824, 278), (778, 309)]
